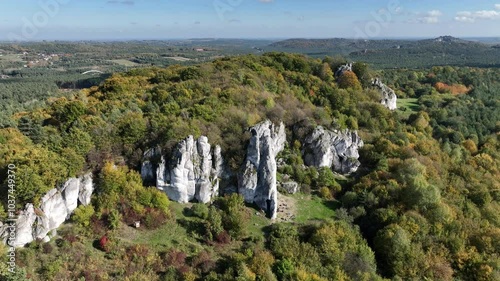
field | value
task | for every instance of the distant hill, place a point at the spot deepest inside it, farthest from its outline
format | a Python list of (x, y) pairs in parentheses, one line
[(444, 50)]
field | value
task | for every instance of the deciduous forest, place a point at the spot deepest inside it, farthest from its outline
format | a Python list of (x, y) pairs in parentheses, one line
[(424, 204)]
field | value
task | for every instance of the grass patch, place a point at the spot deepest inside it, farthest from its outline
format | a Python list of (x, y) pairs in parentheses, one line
[(183, 59), (408, 106), (314, 208), (11, 58), (169, 235), (124, 62), (257, 223)]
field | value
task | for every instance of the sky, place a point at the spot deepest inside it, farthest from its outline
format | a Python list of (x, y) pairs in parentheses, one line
[(276, 19)]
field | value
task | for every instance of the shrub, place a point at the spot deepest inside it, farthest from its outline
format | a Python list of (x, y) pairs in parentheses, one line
[(82, 215), (203, 262), (260, 264), (200, 210), (327, 178), (154, 218), (213, 225), (114, 218), (47, 248), (174, 258), (104, 243), (283, 269), (325, 193), (223, 237)]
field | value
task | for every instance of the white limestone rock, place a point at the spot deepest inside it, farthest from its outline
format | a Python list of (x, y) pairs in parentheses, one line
[(334, 149), (86, 189), (257, 180), (192, 171), (54, 213), (24, 227), (342, 69), (56, 207), (389, 98), (70, 192)]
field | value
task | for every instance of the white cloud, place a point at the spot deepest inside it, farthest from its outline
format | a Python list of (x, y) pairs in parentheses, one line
[(472, 16), (435, 13), (430, 17)]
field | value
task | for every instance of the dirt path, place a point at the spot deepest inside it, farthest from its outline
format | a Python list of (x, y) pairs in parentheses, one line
[(287, 208)]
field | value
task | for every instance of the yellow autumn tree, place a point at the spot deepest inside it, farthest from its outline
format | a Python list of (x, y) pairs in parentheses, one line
[(349, 79)]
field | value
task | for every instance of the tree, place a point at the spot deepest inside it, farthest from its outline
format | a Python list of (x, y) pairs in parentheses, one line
[(326, 72), (398, 255), (82, 215), (349, 80)]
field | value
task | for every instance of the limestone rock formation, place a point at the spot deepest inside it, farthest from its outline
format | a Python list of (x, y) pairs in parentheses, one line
[(55, 208), (334, 149), (389, 98), (54, 213), (340, 71), (192, 171), (257, 180), (290, 187), (86, 188), (24, 227)]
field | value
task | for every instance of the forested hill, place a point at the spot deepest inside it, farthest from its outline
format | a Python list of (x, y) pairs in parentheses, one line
[(423, 206), (444, 50)]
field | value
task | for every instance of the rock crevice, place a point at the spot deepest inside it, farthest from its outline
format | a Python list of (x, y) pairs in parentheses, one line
[(192, 172), (257, 179)]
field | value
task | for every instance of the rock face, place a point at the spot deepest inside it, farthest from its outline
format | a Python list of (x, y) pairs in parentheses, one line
[(334, 149), (55, 208), (290, 187), (257, 180), (192, 172), (389, 98), (340, 71), (24, 227)]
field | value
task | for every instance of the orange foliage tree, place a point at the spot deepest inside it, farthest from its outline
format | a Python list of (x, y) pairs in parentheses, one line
[(455, 89), (349, 80)]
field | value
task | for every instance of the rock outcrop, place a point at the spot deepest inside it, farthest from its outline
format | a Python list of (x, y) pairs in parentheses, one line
[(192, 171), (257, 180), (290, 187), (389, 98), (24, 232), (334, 149), (55, 208), (343, 68)]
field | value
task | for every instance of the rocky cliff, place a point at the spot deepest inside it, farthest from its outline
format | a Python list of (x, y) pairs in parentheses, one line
[(257, 180), (192, 171), (55, 208), (389, 98), (335, 149)]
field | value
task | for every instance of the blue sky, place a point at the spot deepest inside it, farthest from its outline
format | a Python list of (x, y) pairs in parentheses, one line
[(166, 19)]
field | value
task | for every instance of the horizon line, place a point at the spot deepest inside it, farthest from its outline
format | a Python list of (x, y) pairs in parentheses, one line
[(242, 38)]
